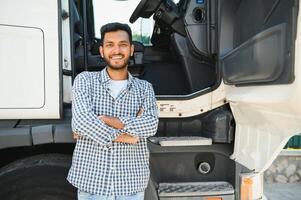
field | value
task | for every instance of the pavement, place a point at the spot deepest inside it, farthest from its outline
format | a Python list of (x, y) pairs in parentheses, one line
[(282, 181), (283, 191)]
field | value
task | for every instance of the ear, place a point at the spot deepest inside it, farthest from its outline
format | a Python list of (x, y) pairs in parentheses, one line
[(132, 50), (101, 51)]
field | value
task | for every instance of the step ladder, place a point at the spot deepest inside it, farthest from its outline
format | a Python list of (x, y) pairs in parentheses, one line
[(181, 141), (196, 191)]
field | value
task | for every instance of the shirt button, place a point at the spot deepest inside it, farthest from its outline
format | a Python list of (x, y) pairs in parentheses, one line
[(107, 147)]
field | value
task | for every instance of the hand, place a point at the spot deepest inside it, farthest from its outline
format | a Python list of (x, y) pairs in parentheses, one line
[(126, 138), (76, 136), (140, 112), (112, 121)]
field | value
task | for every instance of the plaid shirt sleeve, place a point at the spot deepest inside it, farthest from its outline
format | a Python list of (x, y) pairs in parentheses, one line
[(145, 125), (84, 121)]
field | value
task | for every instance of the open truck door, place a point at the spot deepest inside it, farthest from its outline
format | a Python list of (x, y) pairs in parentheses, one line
[(263, 82), (30, 59)]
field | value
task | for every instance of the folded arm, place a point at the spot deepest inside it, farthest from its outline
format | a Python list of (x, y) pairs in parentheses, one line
[(143, 125), (84, 121)]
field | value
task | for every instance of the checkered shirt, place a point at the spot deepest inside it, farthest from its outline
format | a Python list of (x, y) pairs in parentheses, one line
[(100, 166)]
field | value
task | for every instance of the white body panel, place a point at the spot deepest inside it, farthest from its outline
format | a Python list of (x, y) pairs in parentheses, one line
[(29, 59), (266, 117), (22, 73), (194, 106)]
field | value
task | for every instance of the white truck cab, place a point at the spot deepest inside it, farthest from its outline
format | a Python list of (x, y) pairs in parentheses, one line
[(226, 74)]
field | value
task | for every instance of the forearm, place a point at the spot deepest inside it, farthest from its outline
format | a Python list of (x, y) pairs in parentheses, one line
[(115, 122), (126, 138), (141, 126), (87, 124)]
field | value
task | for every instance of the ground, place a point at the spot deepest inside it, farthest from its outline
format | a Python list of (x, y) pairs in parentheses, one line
[(283, 178)]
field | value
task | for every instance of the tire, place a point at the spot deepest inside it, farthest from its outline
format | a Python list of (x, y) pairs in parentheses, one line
[(41, 177)]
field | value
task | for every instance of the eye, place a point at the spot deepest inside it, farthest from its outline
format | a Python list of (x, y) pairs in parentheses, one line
[(109, 45)]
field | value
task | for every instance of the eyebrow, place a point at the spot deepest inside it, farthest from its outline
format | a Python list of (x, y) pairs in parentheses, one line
[(123, 41)]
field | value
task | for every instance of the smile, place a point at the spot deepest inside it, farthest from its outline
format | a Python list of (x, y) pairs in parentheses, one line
[(117, 57)]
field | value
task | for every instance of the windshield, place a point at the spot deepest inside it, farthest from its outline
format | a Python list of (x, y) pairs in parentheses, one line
[(120, 11)]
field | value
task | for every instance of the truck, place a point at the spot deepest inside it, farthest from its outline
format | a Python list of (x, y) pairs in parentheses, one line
[(226, 74)]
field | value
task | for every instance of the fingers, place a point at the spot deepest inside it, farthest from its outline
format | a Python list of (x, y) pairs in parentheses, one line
[(126, 138), (76, 136), (140, 112), (102, 118), (133, 140)]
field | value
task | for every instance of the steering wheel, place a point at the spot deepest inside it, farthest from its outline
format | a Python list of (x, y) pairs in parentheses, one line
[(145, 9)]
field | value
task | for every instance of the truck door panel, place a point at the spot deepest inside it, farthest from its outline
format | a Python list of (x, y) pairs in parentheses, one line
[(262, 76), (30, 64), (260, 60), (265, 39)]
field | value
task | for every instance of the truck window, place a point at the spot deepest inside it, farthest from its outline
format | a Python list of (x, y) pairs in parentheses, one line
[(142, 28)]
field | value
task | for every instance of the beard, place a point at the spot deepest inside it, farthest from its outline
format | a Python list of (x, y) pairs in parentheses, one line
[(122, 64)]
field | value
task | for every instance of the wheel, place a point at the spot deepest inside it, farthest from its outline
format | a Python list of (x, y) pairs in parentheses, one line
[(38, 177)]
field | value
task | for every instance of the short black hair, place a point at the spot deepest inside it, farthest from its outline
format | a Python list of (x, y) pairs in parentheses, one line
[(115, 26)]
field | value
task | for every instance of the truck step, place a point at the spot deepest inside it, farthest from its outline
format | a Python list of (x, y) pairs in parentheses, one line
[(181, 141), (196, 190)]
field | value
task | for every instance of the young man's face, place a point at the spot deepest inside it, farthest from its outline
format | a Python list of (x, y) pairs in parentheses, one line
[(116, 49)]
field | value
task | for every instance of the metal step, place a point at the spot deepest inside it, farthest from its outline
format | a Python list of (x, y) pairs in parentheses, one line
[(181, 141), (195, 190)]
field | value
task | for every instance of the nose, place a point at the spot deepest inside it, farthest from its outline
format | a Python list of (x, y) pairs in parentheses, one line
[(116, 49)]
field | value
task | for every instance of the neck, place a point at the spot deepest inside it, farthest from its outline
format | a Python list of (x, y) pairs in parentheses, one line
[(120, 74)]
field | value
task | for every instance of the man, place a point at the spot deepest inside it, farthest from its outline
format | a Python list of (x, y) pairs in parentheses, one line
[(113, 115)]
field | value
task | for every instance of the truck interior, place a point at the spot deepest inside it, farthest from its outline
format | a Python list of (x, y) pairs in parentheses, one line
[(172, 69), (193, 43)]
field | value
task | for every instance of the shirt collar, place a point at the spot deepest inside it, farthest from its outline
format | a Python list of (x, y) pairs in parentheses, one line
[(105, 78)]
